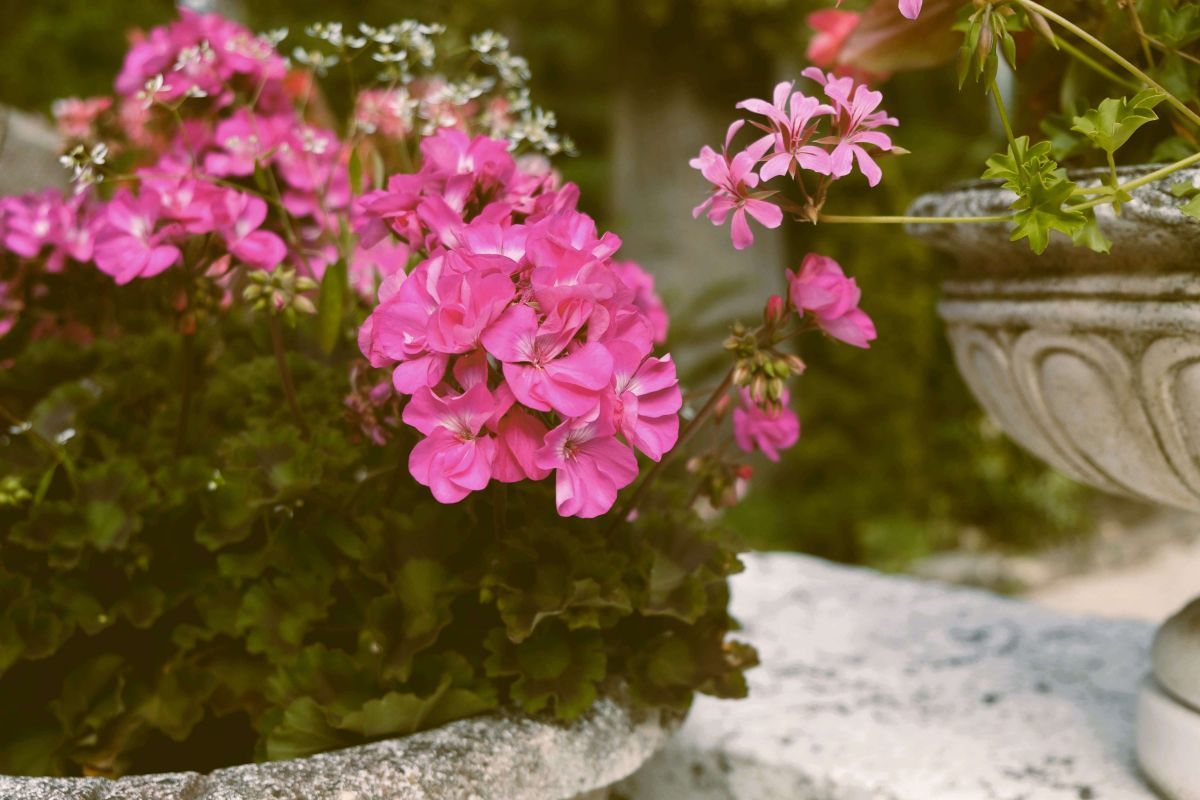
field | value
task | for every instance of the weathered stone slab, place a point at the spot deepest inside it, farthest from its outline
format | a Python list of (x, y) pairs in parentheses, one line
[(888, 688), (496, 757), (28, 154)]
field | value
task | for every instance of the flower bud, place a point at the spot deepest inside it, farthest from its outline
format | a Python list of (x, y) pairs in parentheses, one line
[(773, 314)]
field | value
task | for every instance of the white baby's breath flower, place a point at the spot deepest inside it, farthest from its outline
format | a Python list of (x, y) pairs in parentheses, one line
[(274, 37), (152, 89), (489, 41)]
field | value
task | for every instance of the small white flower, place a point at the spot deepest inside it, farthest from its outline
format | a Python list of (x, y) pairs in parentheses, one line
[(153, 88), (65, 436), (488, 41)]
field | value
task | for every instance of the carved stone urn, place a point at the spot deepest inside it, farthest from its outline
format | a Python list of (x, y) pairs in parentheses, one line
[(1092, 362)]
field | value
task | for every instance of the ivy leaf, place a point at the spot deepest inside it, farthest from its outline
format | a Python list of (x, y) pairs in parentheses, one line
[(1091, 236), (1012, 166), (1041, 211), (1111, 124), (1192, 207)]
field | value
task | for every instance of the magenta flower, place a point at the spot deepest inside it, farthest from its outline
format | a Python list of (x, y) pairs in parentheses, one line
[(648, 399), (791, 115), (768, 430), (732, 180), (455, 458), (590, 465), (645, 298), (538, 374), (821, 287), (910, 9), (128, 245), (519, 436), (239, 219), (857, 118)]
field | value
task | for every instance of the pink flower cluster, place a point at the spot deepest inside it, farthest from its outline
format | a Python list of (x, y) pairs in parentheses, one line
[(525, 347), (820, 289), (800, 134), (208, 56)]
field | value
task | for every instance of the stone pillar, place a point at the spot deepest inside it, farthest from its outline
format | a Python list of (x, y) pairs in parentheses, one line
[(28, 154)]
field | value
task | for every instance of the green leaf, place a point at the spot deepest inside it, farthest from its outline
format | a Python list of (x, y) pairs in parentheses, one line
[(1091, 236), (177, 703), (355, 169), (1041, 212), (409, 618), (1111, 124), (303, 730), (553, 666), (330, 305), (1192, 207)]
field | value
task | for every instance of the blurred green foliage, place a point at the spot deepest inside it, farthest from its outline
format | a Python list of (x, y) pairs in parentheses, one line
[(896, 459)]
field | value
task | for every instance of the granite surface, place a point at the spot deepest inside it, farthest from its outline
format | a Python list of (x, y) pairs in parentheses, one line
[(877, 687)]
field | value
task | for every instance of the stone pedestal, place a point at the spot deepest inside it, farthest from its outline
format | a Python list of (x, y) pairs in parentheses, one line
[(1092, 362)]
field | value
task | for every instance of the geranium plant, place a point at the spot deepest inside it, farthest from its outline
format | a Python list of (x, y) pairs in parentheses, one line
[(322, 432)]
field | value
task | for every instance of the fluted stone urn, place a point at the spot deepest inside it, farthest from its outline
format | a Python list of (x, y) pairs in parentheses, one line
[(1092, 363)]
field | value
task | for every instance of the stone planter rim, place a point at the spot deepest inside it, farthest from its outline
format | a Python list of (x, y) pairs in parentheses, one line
[(505, 756)]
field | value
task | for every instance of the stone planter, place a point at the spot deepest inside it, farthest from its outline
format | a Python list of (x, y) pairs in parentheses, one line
[(1092, 363), (494, 757)]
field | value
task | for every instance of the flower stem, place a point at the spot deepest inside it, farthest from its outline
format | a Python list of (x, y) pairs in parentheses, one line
[(1149, 177), (285, 373), (900, 220), (1008, 131), (1125, 63)]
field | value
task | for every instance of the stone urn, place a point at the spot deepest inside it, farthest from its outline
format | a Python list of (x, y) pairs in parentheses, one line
[(1092, 363), (492, 757)]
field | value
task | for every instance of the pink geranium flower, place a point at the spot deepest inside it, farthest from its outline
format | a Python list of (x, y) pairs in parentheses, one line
[(792, 118), (857, 119), (733, 179), (768, 430), (910, 9), (129, 245), (648, 399), (239, 217), (822, 288), (456, 457), (590, 465), (645, 298), (541, 377)]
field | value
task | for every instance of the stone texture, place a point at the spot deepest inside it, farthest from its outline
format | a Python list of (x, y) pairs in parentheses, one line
[(1087, 360), (497, 757), (28, 154), (888, 688)]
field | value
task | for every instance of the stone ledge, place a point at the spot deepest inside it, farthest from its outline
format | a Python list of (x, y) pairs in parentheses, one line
[(496, 757), (887, 688)]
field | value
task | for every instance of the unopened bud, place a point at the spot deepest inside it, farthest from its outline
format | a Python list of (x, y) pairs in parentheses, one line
[(774, 311), (742, 373), (795, 364), (721, 408)]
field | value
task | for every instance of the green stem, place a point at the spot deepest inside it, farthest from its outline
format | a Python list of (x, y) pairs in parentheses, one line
[(285, 373), (1096, 66), (1008, 131), (1149, 177), (1125, 63), (901, 220)]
